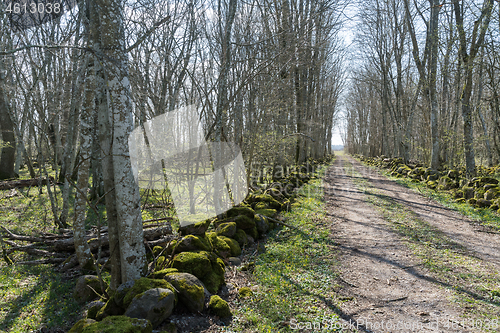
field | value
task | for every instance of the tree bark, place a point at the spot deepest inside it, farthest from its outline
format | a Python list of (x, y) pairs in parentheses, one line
[(130, 232)]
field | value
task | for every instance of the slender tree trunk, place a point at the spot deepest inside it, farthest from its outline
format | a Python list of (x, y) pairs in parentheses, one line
[(7, 157), (82, 248), (434, 37)]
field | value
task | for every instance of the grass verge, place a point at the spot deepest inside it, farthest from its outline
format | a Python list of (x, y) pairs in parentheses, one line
[(296, 275), (475, 284)]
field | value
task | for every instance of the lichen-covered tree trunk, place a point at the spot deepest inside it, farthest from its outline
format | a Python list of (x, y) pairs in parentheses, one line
[(82, 249), (128, 208)]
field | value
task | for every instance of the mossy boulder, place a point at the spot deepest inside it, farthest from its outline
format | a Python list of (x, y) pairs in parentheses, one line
[(215, 279), (198, 228), (154, 304), (111, 308), (482, 203), (252, 233), (432, 177), (472, 202), (267, 212), (227, 229), (161, 273), (492, 193), (244, 222), (193, 243), (268, 199), (486, 180), (460, 200), (468, 192), (196, 263), (241, 237), (221, 248), (81, 324), (86, 288), (143, 284), (93, 309), (219, 307), (245, 292), (206, 266), (458, 194), (191, 290), (262, 224), (432, 184), (233, 245), (260, 205), (453, 174), (446, 183), (479, 194), (118, 324), (241, 210)]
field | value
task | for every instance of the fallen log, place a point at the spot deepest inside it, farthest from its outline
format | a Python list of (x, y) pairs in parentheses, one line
[(10, 184)]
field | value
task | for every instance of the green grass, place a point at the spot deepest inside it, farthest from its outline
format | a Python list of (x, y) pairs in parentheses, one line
[(32, 297), (473, 282), (296, 275)]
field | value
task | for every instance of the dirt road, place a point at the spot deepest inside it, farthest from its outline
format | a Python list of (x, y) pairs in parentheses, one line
[(386, 286)]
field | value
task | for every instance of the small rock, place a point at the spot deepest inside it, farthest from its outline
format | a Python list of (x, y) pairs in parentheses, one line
[(234, 261), (219, 307), (93, 309)]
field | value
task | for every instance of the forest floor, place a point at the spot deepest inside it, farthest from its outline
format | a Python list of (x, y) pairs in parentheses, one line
[(407, 263)]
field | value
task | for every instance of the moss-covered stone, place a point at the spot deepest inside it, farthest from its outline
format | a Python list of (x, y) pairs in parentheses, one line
[(81, 324), (215, 279), (446, 183), (241, 210), (262, 224), (482, 203), (111, 308), (453, 174), (479, 194), (143, 284), (269, 200), (160, 263), (460, 200), (198, 228), (244, 222), (157, 250), (432, 184), (221, 248), (468, 192), (227, 229), (191, 290), (492, 193), (471, 201), (161, 273), (219, 307), (196, 263), (241, 237), (245, 292), (233, 245), (119, 324), (267, 212), (94, 308), (86, 288), (193, 243), (260, 205), (252, 233)]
